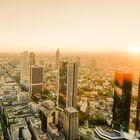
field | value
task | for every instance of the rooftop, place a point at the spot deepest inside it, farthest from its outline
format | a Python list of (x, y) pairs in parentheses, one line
[(71, 110), (36, 125), (109, 133), (26, 133)]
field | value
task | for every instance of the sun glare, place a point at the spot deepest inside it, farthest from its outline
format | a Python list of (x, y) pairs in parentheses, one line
[(134, 49)]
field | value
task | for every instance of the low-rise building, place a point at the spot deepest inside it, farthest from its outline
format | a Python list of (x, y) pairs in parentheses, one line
[(20, 130), (36, 129), (55, 133)]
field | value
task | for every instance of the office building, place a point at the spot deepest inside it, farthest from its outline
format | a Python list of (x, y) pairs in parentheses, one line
[(138, 113), (32, 58), (48, 114), (68, 75), (122, 97), (16, 110), (57, 59), (36, 79), (55, 133), (71, 123), (20, 130), (36, 130), (24, 66)]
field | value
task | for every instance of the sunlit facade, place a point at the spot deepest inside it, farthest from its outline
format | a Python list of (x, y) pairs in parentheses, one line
[(71, 123), (32, 58), (68, 75), (24, 66), (57, 59)]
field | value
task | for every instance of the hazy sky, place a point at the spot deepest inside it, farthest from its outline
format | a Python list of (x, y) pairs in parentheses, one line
[(71, 25)]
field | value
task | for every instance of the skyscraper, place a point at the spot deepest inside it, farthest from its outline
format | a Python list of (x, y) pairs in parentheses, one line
[(68, 75), (138, 110), (57, 59), (36, 79), (71, 123), (32, 58), (122, 97), (25, 71)]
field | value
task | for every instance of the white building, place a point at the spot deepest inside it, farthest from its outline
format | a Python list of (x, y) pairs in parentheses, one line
[(25, 68)]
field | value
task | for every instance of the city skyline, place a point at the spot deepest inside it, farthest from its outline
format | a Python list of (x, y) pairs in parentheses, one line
[(70, 70), (85, 25), (81, 99)]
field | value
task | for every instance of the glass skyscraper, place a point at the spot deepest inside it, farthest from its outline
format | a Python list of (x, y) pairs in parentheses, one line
[(122, 101), (138, 109), (68, 75), (36, 79)]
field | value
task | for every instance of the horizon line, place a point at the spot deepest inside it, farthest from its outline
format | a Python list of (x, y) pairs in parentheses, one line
[(68, 51)]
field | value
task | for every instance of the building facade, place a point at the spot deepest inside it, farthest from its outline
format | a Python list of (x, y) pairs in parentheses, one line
[(57, 59), (36, 79), (138, 110), (32, 58), (122, 101), (24, 68), (68, 75), (71, 123)]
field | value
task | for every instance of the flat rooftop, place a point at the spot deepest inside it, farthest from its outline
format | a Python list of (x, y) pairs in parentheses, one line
[(71, 110)]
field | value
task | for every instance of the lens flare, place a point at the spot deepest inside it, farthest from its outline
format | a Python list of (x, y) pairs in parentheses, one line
[(134, 49)]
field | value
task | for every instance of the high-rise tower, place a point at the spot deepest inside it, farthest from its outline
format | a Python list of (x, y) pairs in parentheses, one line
[(138, 110), (68, 75), (71, 123), (24, 73), (122, 101), (36, 79), (32, 58), (57, 59)]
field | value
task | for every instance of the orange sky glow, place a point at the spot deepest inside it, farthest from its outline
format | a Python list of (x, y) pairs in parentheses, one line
[(71, 25)]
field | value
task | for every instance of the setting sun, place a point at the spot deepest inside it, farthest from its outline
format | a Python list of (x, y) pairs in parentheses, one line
[(134, 49)]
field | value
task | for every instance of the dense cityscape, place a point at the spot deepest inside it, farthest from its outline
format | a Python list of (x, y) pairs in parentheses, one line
[(69, 96), (69, 69)]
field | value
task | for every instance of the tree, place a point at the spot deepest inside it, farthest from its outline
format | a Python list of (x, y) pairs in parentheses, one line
[(82, 118), (46, 92), (81, 92), (96, 120)]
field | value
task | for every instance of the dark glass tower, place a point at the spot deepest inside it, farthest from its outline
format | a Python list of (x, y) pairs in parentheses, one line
[(62, 84), (138, 109), (122, 101), (36, 79)]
